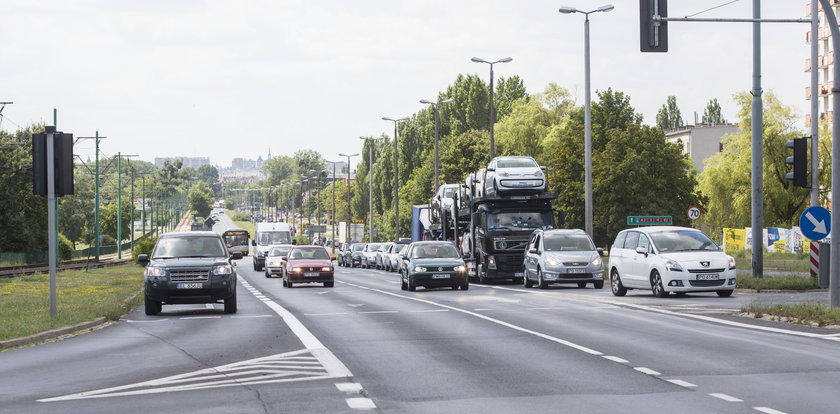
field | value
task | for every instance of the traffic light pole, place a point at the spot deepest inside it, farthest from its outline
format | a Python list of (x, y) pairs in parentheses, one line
[(52, 223), (834, 262)]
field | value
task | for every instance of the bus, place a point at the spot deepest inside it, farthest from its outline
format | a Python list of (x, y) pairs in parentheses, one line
[(237, 240)]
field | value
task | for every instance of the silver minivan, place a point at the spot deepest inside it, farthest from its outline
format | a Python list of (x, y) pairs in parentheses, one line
[(562, 256)]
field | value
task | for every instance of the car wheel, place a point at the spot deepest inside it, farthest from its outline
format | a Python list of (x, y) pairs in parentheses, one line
[(482, 275), (230, 304), (403, 285), (466, 285), (656, 285), (540, 280), (255, 267), (618, 288), (289, 284), (581, 285), (267, 274), (724, 293), (598, 285), (329, 284), (526, 281), (152, 307), (411, 286)]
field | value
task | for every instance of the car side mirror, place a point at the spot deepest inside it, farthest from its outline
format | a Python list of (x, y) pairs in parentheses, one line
[(143, 259), (600, 251), (641, 250), (534, 251), (236, 256), (253, 242), (491, 169), (283, 258)]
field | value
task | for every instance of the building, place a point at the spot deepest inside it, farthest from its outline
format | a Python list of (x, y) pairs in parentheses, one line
[(700, 141), (823, 66), (188, 162)]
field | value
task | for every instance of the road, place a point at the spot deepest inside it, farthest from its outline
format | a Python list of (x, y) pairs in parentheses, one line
[(365, 344)]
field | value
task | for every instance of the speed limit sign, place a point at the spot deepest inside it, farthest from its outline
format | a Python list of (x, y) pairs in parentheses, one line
[(693, 213)]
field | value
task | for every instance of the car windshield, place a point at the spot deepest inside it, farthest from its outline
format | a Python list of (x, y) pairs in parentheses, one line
[(384, 247), (201, 246), (402, 248), (444, 251), (567, 242), (516, 163), (449, 192), (373, 247), (279, 251), (310, 253), (358, 247), (682, 240), (513, 220), (274, 237)]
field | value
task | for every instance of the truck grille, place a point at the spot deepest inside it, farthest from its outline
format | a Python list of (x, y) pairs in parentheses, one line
[(509, 262), (192, 275)]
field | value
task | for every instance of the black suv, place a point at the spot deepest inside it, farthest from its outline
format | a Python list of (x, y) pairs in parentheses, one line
[(189, 267)]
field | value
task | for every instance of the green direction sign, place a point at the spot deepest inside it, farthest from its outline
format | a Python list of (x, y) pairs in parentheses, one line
[(650, 220)]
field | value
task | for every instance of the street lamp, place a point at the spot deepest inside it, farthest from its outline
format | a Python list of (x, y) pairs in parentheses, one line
[(396, 179), (588, 112), (349, 213), (437, 159), (370, 182), (492, 107)]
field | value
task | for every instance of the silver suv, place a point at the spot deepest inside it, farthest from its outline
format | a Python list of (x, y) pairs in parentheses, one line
[(562, 256)]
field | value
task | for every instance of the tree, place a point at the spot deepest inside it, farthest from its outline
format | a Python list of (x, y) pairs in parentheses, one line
[(669, 116), (20, 210), (169, 177), (108, 219), (201, 199), (279, 169), (712, 115), (525, 129), (208, 173)]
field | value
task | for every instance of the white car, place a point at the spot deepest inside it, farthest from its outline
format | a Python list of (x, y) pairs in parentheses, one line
[(513, 175), (669, 259), (444, 198), (275, 259)]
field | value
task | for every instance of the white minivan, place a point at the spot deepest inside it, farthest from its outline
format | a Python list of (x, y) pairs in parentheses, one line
[(667, 259), (266, 235)]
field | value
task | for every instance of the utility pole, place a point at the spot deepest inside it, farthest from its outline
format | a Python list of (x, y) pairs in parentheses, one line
[(96, 233)]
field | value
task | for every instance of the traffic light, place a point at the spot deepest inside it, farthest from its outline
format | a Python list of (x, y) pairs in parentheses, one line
[(799, 161), (63, 159), (654, 33)]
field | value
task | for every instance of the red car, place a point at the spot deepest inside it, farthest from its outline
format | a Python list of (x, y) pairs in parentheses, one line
[(308, 264)]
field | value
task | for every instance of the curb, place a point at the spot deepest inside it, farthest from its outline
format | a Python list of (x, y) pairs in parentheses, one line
[(52, 333)]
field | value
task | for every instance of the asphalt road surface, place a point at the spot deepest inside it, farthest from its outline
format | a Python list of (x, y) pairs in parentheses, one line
[(367, 345)]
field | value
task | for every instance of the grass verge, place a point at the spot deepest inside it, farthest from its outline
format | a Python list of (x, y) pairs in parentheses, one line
[(811, 314), (108, 292), (746, 281)]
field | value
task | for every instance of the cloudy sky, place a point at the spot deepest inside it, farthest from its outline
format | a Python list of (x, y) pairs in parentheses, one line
[(227, 79)]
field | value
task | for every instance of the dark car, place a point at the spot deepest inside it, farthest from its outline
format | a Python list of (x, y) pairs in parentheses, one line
[(357, 254), (433, 264), (189, 267), (308, 264)]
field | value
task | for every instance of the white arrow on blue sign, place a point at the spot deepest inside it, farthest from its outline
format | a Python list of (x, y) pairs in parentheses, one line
[(815, 223)]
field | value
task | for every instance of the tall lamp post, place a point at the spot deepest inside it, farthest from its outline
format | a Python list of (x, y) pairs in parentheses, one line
[(370, 182), (588, 112), (349, 212), (120, 156), (437, 158), (396, 178), (492, 105)]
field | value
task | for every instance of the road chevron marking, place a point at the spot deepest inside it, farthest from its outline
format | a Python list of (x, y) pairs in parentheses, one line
[(287, 367)]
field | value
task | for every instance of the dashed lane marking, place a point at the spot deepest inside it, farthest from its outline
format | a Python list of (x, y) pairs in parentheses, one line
[(361, 403), (726, 397), (681, 383), (648, 371), (349, 387), (768, 410), (616, 359)]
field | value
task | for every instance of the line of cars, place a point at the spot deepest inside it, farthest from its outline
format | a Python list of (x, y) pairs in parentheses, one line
[(380, 256)]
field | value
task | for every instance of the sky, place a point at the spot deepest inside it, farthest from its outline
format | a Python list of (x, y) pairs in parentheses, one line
[(227, 79)]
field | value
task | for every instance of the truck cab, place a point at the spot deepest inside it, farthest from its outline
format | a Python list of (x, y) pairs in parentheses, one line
[(266, 235)]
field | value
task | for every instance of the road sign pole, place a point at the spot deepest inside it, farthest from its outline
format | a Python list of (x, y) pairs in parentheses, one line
[(834, 260)]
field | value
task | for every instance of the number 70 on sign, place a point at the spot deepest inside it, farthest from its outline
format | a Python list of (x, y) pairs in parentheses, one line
[(693, 213)]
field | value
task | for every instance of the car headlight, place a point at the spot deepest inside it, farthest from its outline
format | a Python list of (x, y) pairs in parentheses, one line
[(297, 269), (731, 263), (503, 174), (224, 269), (275, 263), (538, 174), (597, 262), (460, 268), (552, 261), (672, 266), (155, 271), (419, 269), (326, 269)]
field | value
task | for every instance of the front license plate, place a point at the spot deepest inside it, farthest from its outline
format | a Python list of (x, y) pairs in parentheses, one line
[(576, 270), (190, 285), (518, 274), (710, 276), (440, 276), (311, 274)]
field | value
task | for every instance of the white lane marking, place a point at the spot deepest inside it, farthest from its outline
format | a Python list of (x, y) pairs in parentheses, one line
[(487, 318), (349, 387), (428, 310), (830, 337), (726, 397), (325, 314), (384, 311), (355, 305), (361, 403), (201, 317), (321, 293), (681, 383), (768, 410), (209, 306), (648, 371), (616, 359), (482, 309), (252, 316)]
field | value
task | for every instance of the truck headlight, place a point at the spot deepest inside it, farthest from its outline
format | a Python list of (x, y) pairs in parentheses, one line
[(224, 269), (155, 271), (491, 262)]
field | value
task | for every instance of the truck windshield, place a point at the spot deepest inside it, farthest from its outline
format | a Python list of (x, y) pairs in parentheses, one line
[(275, 237), (517, 220)]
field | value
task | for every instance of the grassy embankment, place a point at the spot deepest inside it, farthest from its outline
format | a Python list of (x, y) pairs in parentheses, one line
[(108, 292)]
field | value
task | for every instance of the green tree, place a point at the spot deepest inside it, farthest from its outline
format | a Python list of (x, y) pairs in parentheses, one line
[(108, 219), (712, 113), (201, 199), (279, 169), (20, 210), (669, 116), (169, 178), (208, 173)]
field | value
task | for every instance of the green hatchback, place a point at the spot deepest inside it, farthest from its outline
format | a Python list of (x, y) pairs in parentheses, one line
[(433, 264)]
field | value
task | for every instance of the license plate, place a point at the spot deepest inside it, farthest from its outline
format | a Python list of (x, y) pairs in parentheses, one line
[(576, 270), (518, 274), (711, 276), (440, 276), (190, 285), (311, 274)]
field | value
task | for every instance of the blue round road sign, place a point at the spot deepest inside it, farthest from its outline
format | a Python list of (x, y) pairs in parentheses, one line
[(815, 223)]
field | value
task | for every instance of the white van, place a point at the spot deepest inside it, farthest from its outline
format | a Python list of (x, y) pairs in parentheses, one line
[(268, 234)]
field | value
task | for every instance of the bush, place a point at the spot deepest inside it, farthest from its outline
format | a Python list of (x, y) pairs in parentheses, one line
[(65, 247), (299, 240), (107, 241), (240, 217), (144, 246)]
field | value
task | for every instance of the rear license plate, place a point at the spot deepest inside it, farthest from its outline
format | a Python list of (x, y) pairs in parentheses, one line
[(704, 276), (440, 276), (576, 270), (190, 285), (311, 274), (518, 274)]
